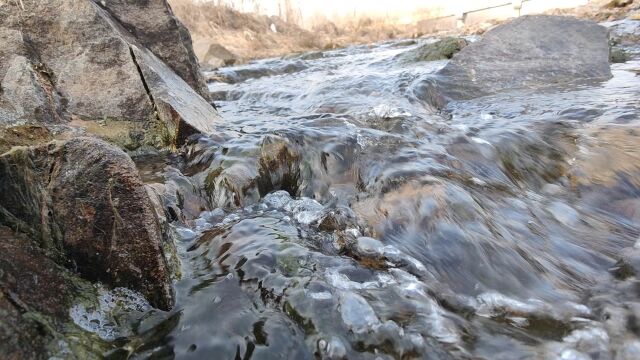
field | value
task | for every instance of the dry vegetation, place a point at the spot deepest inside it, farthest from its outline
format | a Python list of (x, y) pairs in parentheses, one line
[(247, 36), (250, 36)]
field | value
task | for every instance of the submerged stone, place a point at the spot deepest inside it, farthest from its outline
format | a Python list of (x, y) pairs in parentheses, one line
[(356, 313)]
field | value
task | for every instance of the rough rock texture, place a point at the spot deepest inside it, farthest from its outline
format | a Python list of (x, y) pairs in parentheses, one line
[(25, 87), (153, 24), (531, 51), (85, 204), (72, 58), (33, 292), (440, 50), (183, 112)]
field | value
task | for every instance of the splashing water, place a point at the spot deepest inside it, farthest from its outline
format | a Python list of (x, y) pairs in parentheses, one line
[(345, 219)]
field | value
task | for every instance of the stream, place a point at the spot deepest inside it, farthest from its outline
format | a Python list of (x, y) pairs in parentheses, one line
[(345, 218)]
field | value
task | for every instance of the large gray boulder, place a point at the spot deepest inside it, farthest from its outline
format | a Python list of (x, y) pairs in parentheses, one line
[(76, 60), (529, 52), (83, 203)]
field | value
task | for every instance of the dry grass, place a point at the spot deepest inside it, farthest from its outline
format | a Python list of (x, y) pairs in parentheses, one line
[(249, 36)]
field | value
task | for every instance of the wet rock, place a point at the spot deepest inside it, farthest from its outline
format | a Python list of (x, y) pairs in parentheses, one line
[(336, 349), (35, 296), (531, 51), (156, 194), (357, 314), (182, 198), (83, 201), (272, 166), (153, 24), (338, 219), (618, 55), (441, 50), (369, 247), (277, 199), (305, 211), (115, 77), (628, 265), (630, 350), (218, 56), (533, 160)]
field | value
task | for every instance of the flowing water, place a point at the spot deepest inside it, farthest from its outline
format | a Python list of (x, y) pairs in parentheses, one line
[(336, 215)]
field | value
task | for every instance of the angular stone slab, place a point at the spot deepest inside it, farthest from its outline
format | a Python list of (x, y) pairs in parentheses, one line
[(178, 106)]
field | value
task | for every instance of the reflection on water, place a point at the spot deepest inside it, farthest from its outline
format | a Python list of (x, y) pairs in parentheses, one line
[(507, 227)]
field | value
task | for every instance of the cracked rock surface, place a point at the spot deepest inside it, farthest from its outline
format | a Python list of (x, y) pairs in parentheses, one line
[(74, 60)]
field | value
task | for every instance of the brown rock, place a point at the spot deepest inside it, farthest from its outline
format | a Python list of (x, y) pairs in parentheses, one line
[(85, 203), (183, 112), (30, 284)]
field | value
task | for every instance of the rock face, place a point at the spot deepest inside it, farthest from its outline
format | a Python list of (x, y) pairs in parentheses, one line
[(25, 92), (84, 203), (531, 51), (72, 58), (153, 24), (30, 283)]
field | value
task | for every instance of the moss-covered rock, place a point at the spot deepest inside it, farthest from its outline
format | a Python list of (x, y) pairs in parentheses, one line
[(441, 50), (618, 55), (83, 202), (35, 296), (275, 165), (23, 135)]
